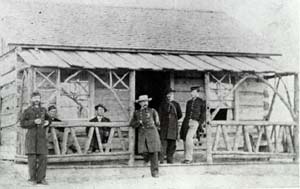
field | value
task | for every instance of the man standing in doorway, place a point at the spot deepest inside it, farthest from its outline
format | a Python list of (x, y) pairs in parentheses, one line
[(147, 121), (36, 119), (169, 114), (194, 116)]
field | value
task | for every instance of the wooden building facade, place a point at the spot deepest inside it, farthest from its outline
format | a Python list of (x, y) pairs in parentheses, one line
[(75, 70)]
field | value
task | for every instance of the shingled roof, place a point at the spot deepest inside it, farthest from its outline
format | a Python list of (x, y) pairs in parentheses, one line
[(128, 28)]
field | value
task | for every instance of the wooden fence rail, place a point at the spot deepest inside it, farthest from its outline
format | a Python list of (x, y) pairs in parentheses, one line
[(117, 145), (252, 139)]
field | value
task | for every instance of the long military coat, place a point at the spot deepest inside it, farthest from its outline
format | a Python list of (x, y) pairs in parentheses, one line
[(195, 109), (36, 138), (169, 114), (147, 122)]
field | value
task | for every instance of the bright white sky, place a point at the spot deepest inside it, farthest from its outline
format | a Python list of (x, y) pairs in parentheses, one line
[(276, 20)]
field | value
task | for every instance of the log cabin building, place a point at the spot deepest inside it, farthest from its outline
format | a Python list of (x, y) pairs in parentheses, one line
[(80, 55)]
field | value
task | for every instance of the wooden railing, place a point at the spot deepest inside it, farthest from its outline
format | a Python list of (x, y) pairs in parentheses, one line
[(118, 146), (248, 139)]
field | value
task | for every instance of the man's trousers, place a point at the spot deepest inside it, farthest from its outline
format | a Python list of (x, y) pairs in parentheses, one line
[(37, 164), (168, 148)]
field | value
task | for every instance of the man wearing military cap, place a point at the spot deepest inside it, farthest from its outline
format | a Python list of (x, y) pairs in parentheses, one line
[(147, 121), (35, 119), (194, 116)]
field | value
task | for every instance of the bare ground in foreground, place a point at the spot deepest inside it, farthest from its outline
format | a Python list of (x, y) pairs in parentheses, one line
[(258, 175)]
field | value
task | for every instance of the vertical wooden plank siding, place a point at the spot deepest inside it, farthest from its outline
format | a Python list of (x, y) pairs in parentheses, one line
[(30, 83), (92, 95), (236, 102), (131, 136), (296, 111), (58, 90), (208, 126)]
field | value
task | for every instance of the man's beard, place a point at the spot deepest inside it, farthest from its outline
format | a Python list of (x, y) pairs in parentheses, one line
[(36, 103)]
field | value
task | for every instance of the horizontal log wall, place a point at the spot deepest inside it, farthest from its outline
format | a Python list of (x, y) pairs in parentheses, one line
[(9, 108), (253, 99)]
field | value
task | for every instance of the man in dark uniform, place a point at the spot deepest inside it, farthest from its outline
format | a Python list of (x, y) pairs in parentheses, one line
[(169, 114), (35, 119), (194, 116), (147, 120), (104, 131)]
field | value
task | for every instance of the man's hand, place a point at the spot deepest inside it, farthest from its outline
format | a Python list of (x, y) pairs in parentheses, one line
[(46, 123), (37, 121)]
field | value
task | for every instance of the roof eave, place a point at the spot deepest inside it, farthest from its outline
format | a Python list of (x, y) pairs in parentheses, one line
[(140, 50)]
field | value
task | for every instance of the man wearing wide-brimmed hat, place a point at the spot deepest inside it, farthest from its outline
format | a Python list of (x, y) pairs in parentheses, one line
[(103, 131), (169, 114), (194, 116), (147, 121)]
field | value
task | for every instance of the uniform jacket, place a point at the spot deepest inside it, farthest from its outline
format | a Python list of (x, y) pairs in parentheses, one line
[(169, 114), (147, 122), (195, 109), (36, 138)]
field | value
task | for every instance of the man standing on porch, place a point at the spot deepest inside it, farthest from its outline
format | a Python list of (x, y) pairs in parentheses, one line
[(169, 114), (36, 119), (194, 116), (147, 121)]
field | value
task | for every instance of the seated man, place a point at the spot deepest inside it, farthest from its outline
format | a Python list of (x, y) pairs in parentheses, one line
[(52, 111), (104, 131)]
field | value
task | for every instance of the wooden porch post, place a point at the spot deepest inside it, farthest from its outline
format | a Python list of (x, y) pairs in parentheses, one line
[(209, 158), (172, 80), (236, 102), (296, 111), (131, 135)]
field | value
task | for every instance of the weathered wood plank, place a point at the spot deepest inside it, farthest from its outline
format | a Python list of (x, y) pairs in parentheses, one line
[(65, 140), (216, 142), (251, 123), (247, 139), (296, 111), (269, 141), (289, 140), (131, 132), (209, 158), (260, 132), (55, 141), (78, 148), (121, 138), (89, 139), (236, 138), (80, 157), (108, 144), (99, 139), (89, 124), (225, 136)]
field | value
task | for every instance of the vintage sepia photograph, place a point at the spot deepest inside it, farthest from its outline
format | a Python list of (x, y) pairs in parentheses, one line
[(149, 94)]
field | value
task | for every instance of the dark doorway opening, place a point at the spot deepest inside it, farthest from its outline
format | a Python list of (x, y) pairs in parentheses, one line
[(154, 84)]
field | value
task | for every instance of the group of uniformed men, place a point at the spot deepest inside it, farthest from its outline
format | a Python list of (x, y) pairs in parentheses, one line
[(157, 132)]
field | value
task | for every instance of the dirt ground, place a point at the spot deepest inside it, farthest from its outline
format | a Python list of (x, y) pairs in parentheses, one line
[(176, 176)]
